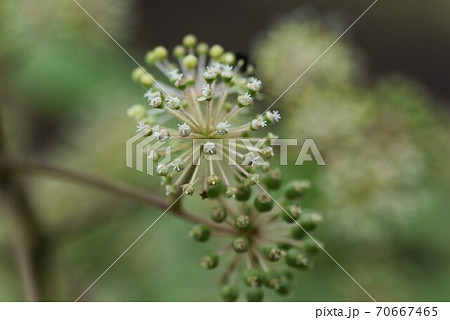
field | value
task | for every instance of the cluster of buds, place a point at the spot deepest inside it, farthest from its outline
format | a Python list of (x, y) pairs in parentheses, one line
[(268, 238), (198, 109), (203, 94)]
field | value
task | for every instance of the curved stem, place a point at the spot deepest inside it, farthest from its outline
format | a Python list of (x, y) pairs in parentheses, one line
[(120, 188)]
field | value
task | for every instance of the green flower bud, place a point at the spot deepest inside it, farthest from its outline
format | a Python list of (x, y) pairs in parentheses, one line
[(296, 189), (202, 48), (310, 246), (136, 74), (293, 213), (253, 178), (310, 220), (240, 244), (190, 61), (297, 233), (229, 293), (263, 203), (243, 193), (242, 222), (228, 58), (285, 286), (215, 190), (272, 252), (190, 40), (160, 53), (218, 214), (294, 258), (231, 192), (210, 261), (216, 51), (253, 277), (179, 51), (146, 80), (254, 294), (150, 58), (171, 189), (162, 170), (200, 233), (273, 179), (272, 279), (137, 112), (188, 189)]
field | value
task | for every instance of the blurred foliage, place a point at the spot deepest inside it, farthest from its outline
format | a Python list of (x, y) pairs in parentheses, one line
[(383, 192)]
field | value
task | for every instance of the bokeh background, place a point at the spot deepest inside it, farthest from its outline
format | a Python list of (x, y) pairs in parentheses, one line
[(377, 106)]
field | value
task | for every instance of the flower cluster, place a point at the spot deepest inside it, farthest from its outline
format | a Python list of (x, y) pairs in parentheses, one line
[(264, 234), (203, 95)]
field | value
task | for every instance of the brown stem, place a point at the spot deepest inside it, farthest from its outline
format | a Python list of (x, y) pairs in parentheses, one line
[(120, 188)]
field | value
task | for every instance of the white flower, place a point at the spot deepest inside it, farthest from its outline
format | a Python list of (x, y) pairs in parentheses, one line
[(223, 127), (254, 84), (143, 127), (173, 102), (227, 72), (175, 75), (155, 102), (177, 165), (210, 73), (257, 124), (161, 135), (209, 148), (276, 116), (184, 130), (207, 93), (150, 94), (251, 158), (245, 99)]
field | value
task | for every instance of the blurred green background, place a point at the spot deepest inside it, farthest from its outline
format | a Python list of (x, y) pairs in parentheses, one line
[(376, 105)]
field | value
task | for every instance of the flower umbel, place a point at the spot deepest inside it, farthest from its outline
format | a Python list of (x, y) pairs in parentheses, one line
[(208, 92)]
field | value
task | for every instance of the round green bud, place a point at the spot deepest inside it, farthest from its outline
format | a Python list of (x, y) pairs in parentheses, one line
[(216, 51), (272, 279), (146, 80), (136, 74), (137, 112), (272, 252), (253, 178), (202, 48), (310, 246), (170, 189), (179, 51), (297, 233), (150, 58), (190, 61), (263, 203), (244, 193), (190, 40), (218, 214), (231, 192), (293, 213), (200, 233), (310, 220), (187, 189), (242, 222), (294, 258), (285, 286), (229, 293), (254, 294), (210, 261), (162, 170), (253, 277), (296, 189), (160, 53), (240, 244), (216, 190), (273, 179), (228, 58)]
